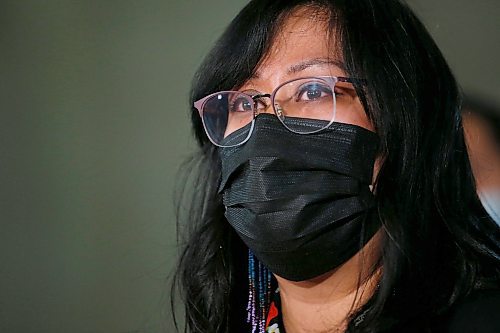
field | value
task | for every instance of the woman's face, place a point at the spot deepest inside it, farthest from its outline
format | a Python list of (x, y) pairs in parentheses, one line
[(301, 49)]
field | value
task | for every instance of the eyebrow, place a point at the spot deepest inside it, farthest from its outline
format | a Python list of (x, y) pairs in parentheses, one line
[(314, 62), (309, 63)]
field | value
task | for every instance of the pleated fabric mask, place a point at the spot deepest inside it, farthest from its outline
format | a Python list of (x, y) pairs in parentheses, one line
[(300, 202)]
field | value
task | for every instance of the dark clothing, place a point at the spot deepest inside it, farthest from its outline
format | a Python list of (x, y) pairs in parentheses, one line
[(477, 313)]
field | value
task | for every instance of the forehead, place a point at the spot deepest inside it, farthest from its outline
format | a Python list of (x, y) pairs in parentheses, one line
[(303, 36)]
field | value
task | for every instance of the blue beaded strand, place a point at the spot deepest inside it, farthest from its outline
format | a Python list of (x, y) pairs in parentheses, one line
[(259, 294)]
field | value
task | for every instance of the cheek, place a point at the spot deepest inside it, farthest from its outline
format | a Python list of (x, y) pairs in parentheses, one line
[(354, 114)]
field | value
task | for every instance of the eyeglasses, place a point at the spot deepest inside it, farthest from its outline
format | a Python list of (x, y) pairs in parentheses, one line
[(321, 98)]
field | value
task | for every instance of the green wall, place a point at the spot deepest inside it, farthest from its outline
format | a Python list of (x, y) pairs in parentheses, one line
[(93, 100), (93, 127)]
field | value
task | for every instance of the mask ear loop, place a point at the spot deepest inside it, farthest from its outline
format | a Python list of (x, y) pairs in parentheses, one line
[(259, 293)]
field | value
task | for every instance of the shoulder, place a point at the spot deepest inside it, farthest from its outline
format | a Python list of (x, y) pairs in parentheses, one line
[(479, 312)]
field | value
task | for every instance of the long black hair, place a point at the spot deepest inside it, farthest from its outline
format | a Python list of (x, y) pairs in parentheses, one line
[(438, 244)]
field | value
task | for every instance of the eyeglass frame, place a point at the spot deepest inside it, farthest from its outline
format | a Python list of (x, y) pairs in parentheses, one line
[(332, 80)]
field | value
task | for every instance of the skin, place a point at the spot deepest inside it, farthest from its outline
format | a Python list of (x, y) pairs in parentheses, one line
[(484, 155), (483, 152), (324, 303)]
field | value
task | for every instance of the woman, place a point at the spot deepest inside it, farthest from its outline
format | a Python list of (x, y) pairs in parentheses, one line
[(333, 191)]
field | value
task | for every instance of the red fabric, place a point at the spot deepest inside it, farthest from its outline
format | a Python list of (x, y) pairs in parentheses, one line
[(272, 314)]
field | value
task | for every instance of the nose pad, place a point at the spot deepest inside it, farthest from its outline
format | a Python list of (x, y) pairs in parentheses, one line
[(279, 111)]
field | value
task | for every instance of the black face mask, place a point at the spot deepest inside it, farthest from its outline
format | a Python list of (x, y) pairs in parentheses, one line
[(300, 202)]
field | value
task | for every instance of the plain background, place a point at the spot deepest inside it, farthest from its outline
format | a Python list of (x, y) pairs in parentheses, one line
[(93, 128)]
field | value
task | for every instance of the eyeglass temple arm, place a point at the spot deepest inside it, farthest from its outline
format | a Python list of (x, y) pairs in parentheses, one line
[(351, 80)]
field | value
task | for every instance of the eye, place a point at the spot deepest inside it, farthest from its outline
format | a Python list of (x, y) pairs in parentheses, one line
[(241, 104), (313, 91)]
